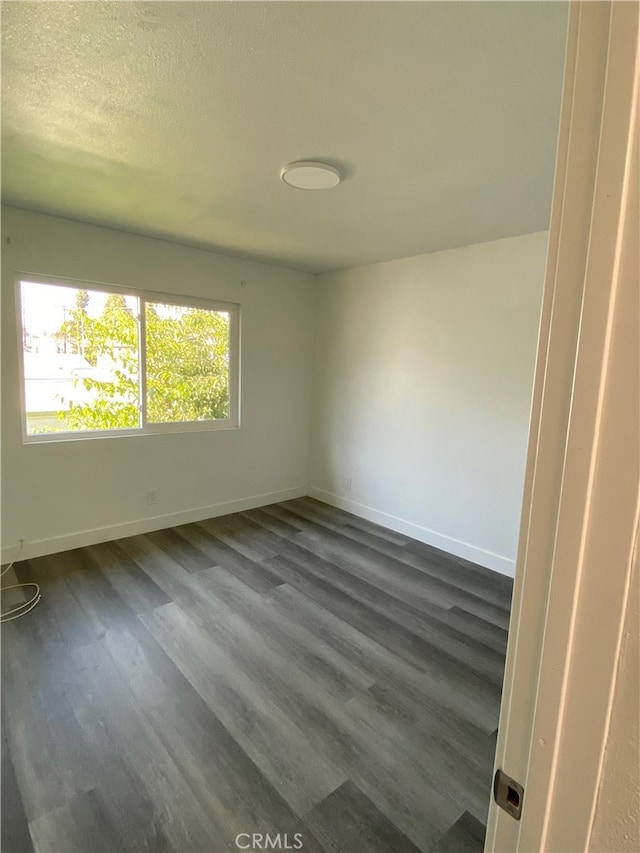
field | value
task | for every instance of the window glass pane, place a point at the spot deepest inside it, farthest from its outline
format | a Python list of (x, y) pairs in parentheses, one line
[(187, 363), (80, 359)]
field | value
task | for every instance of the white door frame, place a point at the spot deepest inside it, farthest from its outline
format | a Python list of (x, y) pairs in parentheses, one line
[(580, 510)]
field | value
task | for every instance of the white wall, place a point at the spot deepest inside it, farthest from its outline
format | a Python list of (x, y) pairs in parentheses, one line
[(63, 494), (422, 387), (423, 372)]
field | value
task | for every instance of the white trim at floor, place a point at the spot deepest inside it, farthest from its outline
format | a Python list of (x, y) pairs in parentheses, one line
[(55, 544)]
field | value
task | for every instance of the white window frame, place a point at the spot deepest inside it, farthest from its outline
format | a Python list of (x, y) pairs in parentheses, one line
[(145, 428)]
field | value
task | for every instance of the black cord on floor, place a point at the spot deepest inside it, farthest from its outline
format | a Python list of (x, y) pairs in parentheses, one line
[(26, 606)]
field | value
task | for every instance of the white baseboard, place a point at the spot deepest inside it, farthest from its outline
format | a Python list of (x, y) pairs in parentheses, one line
[(81, 538), (496, 562), (55, 544)]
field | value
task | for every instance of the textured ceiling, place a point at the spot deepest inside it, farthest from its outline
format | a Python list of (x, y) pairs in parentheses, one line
[(173, 119)]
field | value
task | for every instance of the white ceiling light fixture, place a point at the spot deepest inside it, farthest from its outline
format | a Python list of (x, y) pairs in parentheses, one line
[(310, 175)]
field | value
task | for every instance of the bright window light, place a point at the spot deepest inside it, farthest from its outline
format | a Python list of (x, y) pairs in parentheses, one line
[(102, 361)]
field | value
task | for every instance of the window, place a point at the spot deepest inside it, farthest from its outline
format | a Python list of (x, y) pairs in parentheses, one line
[(99, 360)]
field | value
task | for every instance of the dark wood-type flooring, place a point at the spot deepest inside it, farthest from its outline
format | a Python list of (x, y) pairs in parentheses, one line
[(290, 669)]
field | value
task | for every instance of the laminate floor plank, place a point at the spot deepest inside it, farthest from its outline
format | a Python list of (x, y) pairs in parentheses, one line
[(393, 575), (350, 741), (255, 574), (37, 651), (62, 621), (436, 695), (483, 629), (259, 517), (126, 577), (117, 815), (51, 761), (450, 562), (430, 744), (347, 821), (456, 623), (79, 825), (233, 532), (184, 552), (446, 639), (467, 577), (124, 745), (465, 836), (290, 671), (246, 709), (456, 684), (271, 626), (103, 607), (150, 674), (130, 808), (172, 578), (430, 623), (340, 516), (225, 780), (14, 828)]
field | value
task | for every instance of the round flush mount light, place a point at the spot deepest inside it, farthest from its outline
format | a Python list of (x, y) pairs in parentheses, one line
[(310, 175)]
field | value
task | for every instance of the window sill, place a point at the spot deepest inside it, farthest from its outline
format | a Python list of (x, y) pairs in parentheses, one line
[(152, 429)]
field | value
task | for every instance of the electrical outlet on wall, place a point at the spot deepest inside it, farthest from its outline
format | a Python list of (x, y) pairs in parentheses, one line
[(347, 484), (152, 497)]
